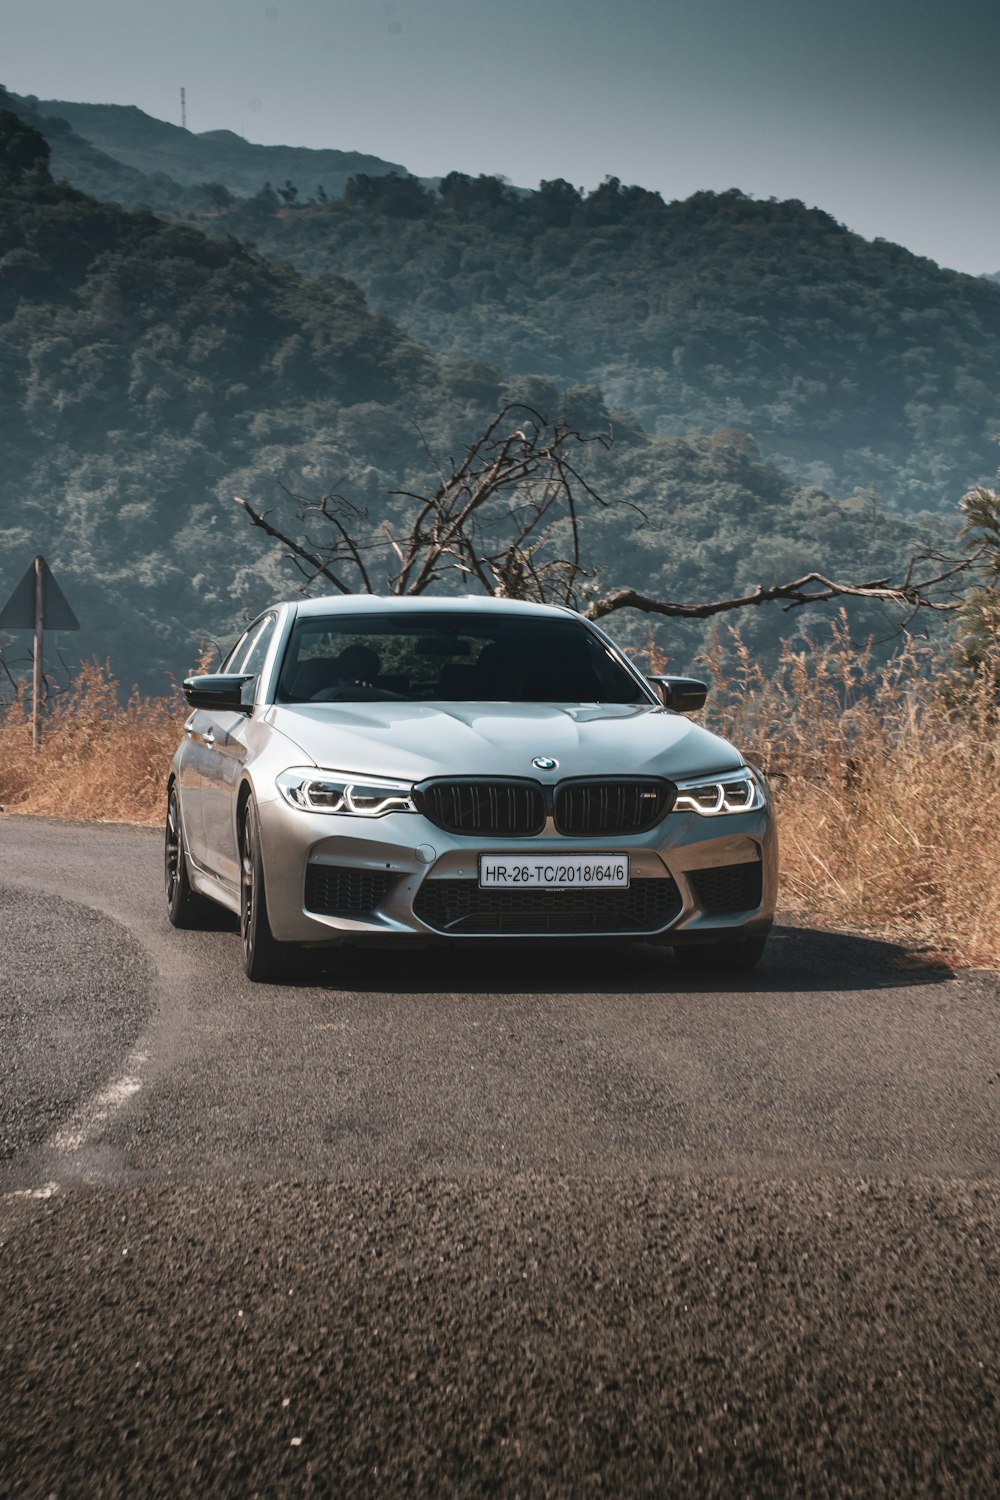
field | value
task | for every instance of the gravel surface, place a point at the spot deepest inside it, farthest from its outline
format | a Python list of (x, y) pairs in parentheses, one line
[(515, 1337)]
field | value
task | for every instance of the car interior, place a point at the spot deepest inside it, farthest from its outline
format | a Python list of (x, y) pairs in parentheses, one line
[(535, 661)]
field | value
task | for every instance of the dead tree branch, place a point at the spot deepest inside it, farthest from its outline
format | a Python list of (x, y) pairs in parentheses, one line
[(507, 519), (489, 515), (812, 588), (311, 564), (494, 518)]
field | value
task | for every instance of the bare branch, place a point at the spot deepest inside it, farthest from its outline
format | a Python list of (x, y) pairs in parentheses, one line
[(316, 562), (347, 542), (508, 516), (529, 475), (7, 669), (812, 588)]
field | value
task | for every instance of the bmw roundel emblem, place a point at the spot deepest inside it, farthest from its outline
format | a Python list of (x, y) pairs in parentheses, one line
[(544, 763)]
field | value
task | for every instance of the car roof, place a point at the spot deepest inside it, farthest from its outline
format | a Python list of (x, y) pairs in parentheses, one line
[(348, 604)]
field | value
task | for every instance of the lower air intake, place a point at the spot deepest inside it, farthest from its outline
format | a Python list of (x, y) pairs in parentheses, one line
[(461, 908), (335, 891), (729, 888)]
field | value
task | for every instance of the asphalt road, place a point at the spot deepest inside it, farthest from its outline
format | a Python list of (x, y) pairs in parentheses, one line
[(529, 1224)]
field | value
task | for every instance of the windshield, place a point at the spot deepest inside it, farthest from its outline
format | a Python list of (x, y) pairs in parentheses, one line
[(453, 657)]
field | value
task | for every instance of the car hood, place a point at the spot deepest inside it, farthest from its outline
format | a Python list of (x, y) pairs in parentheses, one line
[(416, 740)]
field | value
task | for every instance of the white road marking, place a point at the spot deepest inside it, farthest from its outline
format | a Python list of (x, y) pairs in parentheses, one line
[(47, 1190), (93, 1115)]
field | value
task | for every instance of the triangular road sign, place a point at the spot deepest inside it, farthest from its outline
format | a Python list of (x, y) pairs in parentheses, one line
[(19, 611)]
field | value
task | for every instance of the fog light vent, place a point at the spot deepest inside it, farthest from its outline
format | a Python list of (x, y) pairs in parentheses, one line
[(728, 888), (337, 891)]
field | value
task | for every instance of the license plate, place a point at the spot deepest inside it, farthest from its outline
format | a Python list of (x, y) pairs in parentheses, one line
[(553, 872)]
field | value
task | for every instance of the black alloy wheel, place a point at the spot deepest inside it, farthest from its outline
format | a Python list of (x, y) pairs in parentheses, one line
[(263, 957), (185, 908), (733, 955)]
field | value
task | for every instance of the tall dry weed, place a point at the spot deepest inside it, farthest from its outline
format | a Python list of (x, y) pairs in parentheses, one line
[(888, 795), (99, 761)]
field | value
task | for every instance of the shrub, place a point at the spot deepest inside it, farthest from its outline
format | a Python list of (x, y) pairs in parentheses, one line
[(887, 790), (100, 760)]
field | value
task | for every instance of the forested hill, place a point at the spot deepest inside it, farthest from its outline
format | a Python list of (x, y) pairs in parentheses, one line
[(150, 373), (853, 363), (157, 149), (76, 160)]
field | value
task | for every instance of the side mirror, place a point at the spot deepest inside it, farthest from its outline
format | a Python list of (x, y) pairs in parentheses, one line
[(220, 690), (685, 695)]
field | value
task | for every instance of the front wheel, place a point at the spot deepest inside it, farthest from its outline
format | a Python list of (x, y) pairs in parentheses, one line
[(732, 955), (185, 908), (264, 958)]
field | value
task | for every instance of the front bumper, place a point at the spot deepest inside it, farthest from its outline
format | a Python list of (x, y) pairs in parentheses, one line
[(395, 856)]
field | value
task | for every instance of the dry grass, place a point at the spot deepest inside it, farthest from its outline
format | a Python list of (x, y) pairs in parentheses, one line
[(99, 761), (889, 803)]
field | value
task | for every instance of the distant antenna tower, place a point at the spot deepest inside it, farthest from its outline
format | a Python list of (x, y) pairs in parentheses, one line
[(184, 110)]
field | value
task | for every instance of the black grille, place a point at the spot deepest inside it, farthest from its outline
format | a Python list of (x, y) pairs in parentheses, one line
[(624, 806), (729, 888), (460, 906), (336, 891), (469, 805)]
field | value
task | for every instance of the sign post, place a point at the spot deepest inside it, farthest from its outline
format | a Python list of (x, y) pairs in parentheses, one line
[(37, 604), (36, 661)]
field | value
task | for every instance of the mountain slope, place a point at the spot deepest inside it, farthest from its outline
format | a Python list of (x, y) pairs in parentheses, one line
[(73, 159), (856, 364), (148, 374), (152, 146)]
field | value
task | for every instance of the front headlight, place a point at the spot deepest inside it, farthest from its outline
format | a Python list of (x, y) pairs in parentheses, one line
[(314, 790), (711, 796)]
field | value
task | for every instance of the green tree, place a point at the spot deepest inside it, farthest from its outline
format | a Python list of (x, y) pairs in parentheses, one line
[(977, 648)]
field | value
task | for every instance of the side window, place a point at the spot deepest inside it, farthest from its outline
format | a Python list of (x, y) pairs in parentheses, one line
[(243, 647), (253, 658), (230, 662)]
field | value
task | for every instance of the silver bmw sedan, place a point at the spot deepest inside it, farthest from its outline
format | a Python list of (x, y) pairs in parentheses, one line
[(386, 770)]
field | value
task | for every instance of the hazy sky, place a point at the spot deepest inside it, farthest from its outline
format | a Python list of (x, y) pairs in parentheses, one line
[(884, 112)]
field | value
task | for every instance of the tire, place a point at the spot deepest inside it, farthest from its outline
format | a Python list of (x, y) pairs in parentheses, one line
[(185, 908), (264, 958), (733, 955)]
